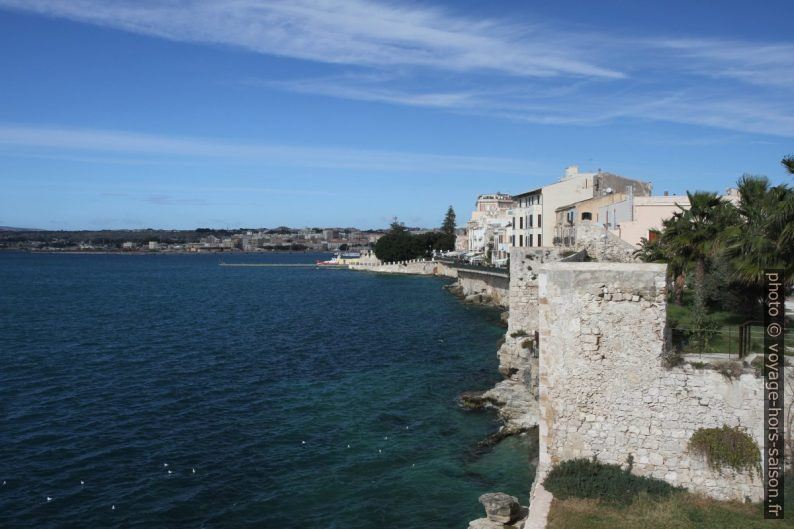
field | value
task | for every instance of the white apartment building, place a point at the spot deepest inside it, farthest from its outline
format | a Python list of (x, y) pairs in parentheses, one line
[(534, 216), (488, 227)]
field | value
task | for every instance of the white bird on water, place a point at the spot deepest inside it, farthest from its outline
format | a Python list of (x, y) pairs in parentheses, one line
[(82, 482), (5, 482), (49, 499), (303, 442), (112, 507), (194, 470), (165, 464), (169, 471)]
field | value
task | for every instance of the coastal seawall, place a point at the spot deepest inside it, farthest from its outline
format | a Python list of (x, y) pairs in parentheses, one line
[(475, 284), (607, 321), (583, 362)]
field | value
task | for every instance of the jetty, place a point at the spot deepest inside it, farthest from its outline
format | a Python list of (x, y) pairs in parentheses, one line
[(281, 265)]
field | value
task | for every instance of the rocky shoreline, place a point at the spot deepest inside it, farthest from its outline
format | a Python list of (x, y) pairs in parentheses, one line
[(512, 397)]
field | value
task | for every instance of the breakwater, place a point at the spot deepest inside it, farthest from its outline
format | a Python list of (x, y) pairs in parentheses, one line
[(475, 284)]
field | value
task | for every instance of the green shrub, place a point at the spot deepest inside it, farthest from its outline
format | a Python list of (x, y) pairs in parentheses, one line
[(699, 365), (726, 446), (583, 478), (519, 333)]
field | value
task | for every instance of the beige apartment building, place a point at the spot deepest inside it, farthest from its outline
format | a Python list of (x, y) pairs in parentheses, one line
[(627, 216), (533, 219)]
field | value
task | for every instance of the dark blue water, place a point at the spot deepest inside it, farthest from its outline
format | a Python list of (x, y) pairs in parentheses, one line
[(112, 366)]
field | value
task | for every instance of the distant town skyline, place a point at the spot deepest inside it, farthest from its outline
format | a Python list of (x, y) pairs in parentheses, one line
[(122, 114)]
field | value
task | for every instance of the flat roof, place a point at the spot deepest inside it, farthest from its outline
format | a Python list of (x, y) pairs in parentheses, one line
[(526, 194)]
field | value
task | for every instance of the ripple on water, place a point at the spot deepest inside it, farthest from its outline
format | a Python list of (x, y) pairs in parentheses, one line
[(115, 365)]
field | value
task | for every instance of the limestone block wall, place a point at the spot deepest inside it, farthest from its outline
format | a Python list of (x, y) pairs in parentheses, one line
[(603, 390), (418, 266), (495, 287), (601, 245), (522, 300)]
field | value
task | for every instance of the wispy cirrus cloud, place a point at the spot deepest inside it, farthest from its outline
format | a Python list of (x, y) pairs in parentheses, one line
[(578, 103), (22, 140), (536, 71), (761, 64), (351, 32)]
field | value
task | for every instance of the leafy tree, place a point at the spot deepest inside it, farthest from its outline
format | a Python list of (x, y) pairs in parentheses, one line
[(448, 226), (396, 245), (446, 242), (704, 328)]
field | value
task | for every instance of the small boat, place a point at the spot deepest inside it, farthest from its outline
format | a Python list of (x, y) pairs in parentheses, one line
[(334, 261), (340, 259)]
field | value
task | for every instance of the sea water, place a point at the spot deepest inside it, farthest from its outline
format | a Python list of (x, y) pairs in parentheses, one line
[(168, 391)]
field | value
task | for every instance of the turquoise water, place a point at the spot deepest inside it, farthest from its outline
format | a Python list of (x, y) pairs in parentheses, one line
[(301, 397)]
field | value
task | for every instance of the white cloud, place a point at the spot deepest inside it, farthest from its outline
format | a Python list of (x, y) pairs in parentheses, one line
[(765, 64), (352, 32), (24, 140), (418, 56)]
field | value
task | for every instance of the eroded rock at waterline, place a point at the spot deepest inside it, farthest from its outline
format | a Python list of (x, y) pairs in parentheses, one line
[(476, 400), (515, 402), (485, 523), (479, 299), (502, 508), (455, 289)]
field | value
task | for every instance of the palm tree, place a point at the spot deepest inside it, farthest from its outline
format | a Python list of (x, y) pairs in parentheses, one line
[(651, 251), (678, 254), (693, 234), (659, 250), (788, 163), (764, 239)]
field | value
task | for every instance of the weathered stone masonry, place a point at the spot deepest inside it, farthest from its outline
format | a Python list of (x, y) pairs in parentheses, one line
[(603, 390)]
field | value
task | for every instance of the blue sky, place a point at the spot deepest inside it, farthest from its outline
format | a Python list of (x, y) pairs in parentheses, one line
[(164, 114)]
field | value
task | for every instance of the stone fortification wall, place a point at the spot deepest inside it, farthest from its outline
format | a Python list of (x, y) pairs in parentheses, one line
[(604, 392), (601, 245), (492, 288), (417, 266), (477, 286), (517, 356)]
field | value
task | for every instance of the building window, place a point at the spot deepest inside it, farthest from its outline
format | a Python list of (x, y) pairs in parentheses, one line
[(530, 240), (529, 222), (586, 215), (512, 240), (521, 240), (539, 243), (538, 222), (521, 222)]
